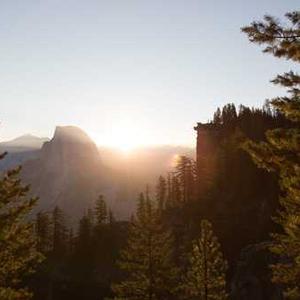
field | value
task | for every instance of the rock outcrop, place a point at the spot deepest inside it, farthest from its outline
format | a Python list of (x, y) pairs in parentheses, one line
[(68, 172)]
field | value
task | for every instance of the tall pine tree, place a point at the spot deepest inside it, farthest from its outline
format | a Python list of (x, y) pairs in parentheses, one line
[(43, 229), (147, 258), (161, 193), (18, 253), (205, 275), (59, 233), (185, 173), (281, 152), (101, 213)]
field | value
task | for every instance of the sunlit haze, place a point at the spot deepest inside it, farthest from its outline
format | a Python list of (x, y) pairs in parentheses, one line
[(123, 134), (149, 149), (129, 73)]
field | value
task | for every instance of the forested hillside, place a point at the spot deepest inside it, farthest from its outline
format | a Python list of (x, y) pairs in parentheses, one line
[(222, 224), (81, 262)]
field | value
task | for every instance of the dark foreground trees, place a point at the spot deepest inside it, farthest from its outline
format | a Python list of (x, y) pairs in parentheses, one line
[(151, 271), (205, 276), (18, 253), (147, 258), (281, 152), (80, 261), (154, 264)]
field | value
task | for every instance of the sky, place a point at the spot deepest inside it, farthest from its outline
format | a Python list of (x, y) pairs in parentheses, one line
[(130, 71)]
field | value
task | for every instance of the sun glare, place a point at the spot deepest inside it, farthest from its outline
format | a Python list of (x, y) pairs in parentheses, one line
[(126, 148), (126, 143), (125, 140)]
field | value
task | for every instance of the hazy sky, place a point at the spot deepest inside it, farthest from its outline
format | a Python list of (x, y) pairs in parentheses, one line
[(140, 70)]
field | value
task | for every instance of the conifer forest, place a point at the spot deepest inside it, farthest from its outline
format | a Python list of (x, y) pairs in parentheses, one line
[(222, 223)]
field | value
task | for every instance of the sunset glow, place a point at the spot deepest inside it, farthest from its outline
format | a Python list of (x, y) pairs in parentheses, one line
[(150, 150), (126, 142), (123, 136)]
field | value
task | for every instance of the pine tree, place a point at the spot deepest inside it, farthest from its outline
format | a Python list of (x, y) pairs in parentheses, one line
[(84, 245), (281, 151), (18, 253), (101, 213), (169, 191), (185, 173), (84, 236), (217, 119), (146, 260), (229, 114), (111, 218), (161, 193), (205, 275), (141, 211), (91, 215), (43, 229), (176, 193), (59, 233)]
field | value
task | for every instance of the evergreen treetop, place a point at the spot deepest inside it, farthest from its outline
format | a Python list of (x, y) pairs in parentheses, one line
[(205, 275), (281, 152), (146, 260), (18, 251)]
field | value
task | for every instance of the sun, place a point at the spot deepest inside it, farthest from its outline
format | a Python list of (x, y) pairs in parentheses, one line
[(123, 138), (127, 141), (126, 147)]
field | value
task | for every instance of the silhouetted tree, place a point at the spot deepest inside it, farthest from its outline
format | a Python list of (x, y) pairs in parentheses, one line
[(185, 172), (43, 229), (229, 114), (18, 253), (281, 151), (101, 211), (59, 233), (205, 276), (161, 193), (146, 260), (217, 119), (176, 193), (84, 236), (84, 251), (111, 217)]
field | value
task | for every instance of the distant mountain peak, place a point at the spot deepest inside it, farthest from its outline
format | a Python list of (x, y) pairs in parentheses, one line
[(71, 133), (26, 135), (26, 141), (68, 171), (70, 142)]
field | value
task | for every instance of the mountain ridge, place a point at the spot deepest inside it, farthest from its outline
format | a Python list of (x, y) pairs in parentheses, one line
[(70, 171), (23, 142)]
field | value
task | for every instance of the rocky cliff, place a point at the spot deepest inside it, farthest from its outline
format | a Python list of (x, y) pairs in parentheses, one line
[(68, 172)]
